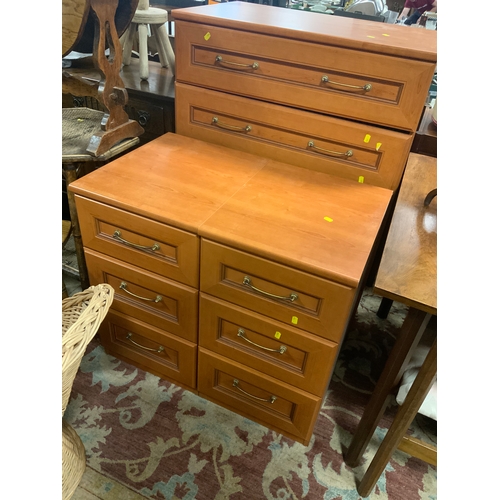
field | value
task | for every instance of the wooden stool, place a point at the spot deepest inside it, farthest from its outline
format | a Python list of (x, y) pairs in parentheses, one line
[(148, 17), (78, 124)]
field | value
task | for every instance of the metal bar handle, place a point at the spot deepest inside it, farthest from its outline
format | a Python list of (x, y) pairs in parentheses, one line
[(366, 87), (348, 153), (216, 121), (254, 65), (241, 333), (123, 286), (117, 236), (248, 282), (159, 349), (271, 399)]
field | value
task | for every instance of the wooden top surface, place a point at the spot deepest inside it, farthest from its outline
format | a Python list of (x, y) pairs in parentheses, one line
[(370, 36), (408, 269), (160, 83), (316, 222), (251, 203)]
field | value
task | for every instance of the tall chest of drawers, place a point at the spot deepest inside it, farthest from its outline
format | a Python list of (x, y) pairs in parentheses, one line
[(235, 274), (332, 94)]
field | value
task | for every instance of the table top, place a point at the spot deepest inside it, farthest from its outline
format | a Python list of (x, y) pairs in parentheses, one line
[(315, 222), (408, 269)]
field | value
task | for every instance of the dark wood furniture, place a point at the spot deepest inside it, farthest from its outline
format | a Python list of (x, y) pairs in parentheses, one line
[(425, 141), (407, 274), (151, 103)]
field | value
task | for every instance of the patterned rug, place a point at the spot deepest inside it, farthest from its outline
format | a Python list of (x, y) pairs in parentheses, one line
[(166, 443)]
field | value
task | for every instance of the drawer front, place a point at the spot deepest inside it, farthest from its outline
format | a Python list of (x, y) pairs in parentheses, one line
[(146, 296), (321, 306), (283, 352), (150, 348), (148, 244), (317, 142), (293, 412), (370, 87)]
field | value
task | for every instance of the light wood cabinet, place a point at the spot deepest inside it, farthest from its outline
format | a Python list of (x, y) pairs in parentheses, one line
[(257, 242), (333, 94)]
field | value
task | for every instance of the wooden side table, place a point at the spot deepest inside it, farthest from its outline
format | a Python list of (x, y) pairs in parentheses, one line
[(78, 124), (407, 274)]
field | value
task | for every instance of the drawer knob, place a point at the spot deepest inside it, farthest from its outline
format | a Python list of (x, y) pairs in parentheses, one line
[(144, 117), (216, 121), (123, 286), (366, 87), (248, 282), (253, 65), (271, 399), (347, 153), (159, 349), (117, 236), (241, 333)]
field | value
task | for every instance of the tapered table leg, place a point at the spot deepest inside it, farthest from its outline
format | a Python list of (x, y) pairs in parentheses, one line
[(404, 417), (410, 334)]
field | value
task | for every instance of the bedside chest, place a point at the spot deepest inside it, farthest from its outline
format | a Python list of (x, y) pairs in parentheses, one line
[(333, 94), (235, 275)]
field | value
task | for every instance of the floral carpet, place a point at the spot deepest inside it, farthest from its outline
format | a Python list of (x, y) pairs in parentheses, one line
[(166, 443)]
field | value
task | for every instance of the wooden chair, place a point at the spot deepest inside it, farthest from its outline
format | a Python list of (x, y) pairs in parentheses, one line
[(82, 315), (89, 136)]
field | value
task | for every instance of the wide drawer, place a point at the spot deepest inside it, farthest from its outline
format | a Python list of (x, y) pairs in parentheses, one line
[(335, 146), (149, 348), (286, 353), (376, 88), (147, 296), (148, 244), (296, 298), (267, 401)]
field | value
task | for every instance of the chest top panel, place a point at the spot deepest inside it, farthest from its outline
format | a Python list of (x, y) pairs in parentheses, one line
[(369, 36), (314, 221)]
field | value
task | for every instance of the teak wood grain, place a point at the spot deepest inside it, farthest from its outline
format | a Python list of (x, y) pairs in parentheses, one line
[(408, 269)]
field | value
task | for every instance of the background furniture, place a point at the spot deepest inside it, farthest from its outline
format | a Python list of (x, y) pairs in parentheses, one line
[(150, 103), (81, 316), (78, 124), (148, 18), (407, 273), (226, 285)]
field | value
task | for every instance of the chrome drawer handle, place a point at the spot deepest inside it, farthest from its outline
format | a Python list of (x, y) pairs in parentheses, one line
[(271, 399), (348, 153), (216, 121), (248, 282), (117, 236), (254, 65), (123, 286), (281, 350), (159, 349), (366, 87)]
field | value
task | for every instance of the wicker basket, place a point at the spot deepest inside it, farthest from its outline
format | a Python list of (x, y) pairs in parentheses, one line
[(82, 315)]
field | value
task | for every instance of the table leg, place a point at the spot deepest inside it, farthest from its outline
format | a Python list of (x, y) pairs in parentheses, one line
[(408, 338), (404, 417), (70, 173)]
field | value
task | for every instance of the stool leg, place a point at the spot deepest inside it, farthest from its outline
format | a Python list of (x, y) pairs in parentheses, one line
[(384, 308), (143, 52), (70, 170), (128, 40), (404, 417), (162, 36), (161, 49)]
